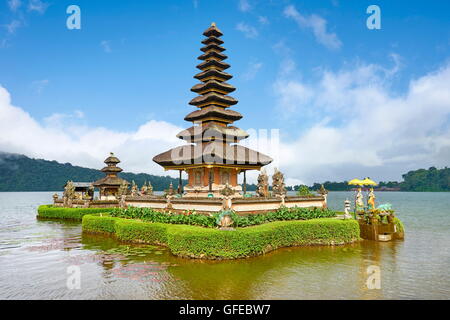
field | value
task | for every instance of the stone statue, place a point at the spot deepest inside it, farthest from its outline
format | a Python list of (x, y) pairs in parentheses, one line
[(371, 200), (278, 186), (324, 193), (91, 192), (224, 220), (69, 194), (170, 191), (134, 189), (150, 189), (123, 190), (359, 201), (144, 188), (55, 197), (227, 190), (69, 190), (262, 189), (347, 209)]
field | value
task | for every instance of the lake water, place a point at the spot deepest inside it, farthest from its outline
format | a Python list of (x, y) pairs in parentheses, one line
[(36, 256)]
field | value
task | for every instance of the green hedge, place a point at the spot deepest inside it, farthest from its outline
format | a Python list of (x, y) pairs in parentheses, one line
[(196, 219), (52, 212), (199, 242), (98, 224)]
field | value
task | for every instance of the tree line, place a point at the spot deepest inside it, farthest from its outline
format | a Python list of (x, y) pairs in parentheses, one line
[(21, 173)]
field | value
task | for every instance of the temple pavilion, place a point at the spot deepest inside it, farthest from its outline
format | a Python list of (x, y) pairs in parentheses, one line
[(213, 159), (109, 185)]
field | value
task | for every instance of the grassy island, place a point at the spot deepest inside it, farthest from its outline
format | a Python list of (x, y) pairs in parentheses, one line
[(74, 214), (211, 243)]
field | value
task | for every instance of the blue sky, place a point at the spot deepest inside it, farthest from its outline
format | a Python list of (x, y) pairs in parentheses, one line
[(303, 67)]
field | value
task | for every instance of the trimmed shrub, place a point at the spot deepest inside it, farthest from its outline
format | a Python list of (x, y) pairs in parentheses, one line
[(142, 232), (98, 224), (198, 242), (52, 212), (195, 219)]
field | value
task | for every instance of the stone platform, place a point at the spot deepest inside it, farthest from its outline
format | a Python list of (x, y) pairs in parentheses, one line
[(204, 205)]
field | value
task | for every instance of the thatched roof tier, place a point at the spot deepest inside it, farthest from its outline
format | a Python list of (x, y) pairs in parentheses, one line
[(213, 74), (112, 159), (213, 98), (112, 169), (213, 46), (212, 40), (212, 153), (109, 181), (213, 112), (213, 85), (213, 31), (211, 132), (213, 64), (212, 54)]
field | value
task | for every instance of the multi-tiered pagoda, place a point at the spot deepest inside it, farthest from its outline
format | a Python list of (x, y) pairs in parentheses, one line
[(109, 185), (212, 159)]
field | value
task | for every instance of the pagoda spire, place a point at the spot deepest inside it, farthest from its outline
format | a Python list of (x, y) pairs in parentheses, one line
[(212, 138), (213, 100)]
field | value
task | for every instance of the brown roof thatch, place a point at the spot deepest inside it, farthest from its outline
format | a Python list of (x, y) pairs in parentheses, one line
[(213, 64), (213, 111), (213, 73), (212, 54), (109, 181), (213, 84), (212, 153), (212, 31), (213, 40), (212, 131), (213, 97), (213, 46)]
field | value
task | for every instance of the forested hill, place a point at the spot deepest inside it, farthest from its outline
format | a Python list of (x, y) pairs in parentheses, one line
[(20, 173), (431, 179)]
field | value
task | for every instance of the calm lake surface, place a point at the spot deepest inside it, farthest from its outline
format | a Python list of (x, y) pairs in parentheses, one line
[(35, 257)]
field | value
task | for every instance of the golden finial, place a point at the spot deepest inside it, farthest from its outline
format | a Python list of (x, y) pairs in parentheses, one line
[(213, 24)]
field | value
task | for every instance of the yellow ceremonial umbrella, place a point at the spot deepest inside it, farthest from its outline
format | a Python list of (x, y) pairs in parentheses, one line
[(356, 182), (369, 182)]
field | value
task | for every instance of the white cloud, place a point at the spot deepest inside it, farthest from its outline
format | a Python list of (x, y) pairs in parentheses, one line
[(252, 69), (37, 5), (247, 30), (14, 5), (61, 139), (13, 26), (263, 20), (317, 24), (360, 128), (106, 45), (244, 5)]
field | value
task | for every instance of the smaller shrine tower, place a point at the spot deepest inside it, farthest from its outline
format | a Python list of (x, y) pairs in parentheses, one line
[(110, 184)]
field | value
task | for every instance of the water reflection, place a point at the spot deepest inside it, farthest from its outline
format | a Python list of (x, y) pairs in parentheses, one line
[(34, 256)]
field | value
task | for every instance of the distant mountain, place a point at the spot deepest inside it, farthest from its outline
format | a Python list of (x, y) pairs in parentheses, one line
[(20, 173)]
